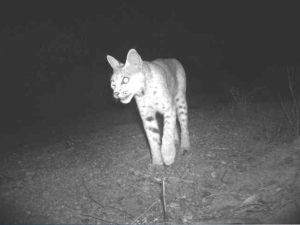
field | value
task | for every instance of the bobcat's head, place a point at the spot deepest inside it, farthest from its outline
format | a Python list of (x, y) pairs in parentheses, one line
[(127, 79)]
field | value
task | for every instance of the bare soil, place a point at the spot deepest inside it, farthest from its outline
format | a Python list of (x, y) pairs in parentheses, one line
[(244, 167)]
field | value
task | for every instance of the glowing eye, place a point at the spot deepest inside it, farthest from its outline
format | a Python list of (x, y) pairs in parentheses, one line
[(125, 80)]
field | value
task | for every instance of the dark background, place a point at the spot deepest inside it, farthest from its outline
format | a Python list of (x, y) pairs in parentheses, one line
[(53, 53)]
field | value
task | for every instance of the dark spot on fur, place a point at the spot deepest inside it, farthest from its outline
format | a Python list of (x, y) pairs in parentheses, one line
[(150, 118), (180, 107), (181, 113), (154, 130), (177, 99), (154, 92), (141, 93), (156, 140)]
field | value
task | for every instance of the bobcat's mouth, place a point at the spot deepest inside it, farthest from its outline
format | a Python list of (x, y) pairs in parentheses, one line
[(126, 99)]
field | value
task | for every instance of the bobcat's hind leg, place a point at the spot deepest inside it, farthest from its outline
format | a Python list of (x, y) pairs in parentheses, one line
[(182, 115)]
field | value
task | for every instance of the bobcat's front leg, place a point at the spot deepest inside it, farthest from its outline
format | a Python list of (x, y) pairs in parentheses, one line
[(168, 150), (153, 135)]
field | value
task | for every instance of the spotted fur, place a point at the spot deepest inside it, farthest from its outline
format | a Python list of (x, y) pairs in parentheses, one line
[(157, 86)]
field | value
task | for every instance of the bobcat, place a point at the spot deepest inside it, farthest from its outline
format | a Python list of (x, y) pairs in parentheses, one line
[(158, 86)]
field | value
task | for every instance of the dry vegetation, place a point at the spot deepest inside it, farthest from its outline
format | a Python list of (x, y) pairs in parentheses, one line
[(243, 168)]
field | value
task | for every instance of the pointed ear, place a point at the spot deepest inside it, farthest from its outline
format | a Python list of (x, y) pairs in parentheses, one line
[(113, 62), (133, 58)]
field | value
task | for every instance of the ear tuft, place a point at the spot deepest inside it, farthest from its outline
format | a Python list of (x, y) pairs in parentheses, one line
[(113, 62), (133, 58)]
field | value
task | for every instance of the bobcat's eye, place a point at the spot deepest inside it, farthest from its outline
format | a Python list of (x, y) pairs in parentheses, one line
[(125, 80), (112, 86)]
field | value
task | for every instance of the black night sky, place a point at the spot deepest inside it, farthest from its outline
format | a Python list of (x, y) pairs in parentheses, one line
[(53, 53)]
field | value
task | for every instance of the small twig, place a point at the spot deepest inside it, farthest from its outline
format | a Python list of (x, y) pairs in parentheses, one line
[(253, 205), (134, 222), (277, 133), (162, 196), (177, 178), (231, 221), (222, 178), (95, 201), (97, 218), (164, 199), (288, 202), (221, 193)]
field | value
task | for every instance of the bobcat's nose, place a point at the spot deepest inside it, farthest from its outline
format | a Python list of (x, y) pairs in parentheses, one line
[(116, 94)]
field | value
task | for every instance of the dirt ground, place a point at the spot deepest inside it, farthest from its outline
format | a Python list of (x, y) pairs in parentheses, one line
[(244, 167)]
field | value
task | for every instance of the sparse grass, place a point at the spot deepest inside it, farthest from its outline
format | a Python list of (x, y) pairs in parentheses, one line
[(266, 117), (291, 109), (272, 127), (241, 99), (245, 107), (98, 174)]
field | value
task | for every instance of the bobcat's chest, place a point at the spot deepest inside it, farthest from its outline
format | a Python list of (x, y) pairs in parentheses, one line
[(153, 100)]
